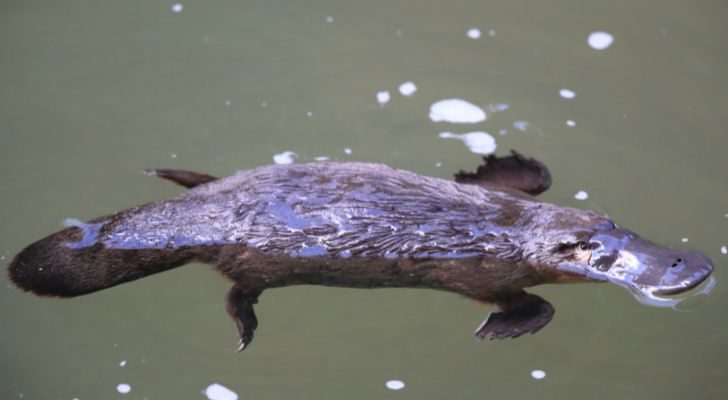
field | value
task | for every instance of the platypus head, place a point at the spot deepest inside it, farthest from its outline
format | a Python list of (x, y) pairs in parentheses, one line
[(623, 257)]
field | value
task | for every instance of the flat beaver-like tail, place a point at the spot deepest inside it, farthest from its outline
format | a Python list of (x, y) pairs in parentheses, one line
[(52, 267)]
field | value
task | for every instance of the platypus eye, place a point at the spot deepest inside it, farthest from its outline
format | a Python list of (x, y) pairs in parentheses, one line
[(583, 246)]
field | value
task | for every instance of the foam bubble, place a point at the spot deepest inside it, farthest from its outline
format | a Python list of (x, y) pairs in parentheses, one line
[(217, 391), (456, 111), (538, 374), (177, 7), (581, 195), (347, 150), (408, 88), (383, 97), (329, 19), (123, 388), (477, 142), (122, 364), (394, 384), (600, 40), (286, 157), (474, 33), (570, 122), (724, 250), (567, 93), (684, 240)]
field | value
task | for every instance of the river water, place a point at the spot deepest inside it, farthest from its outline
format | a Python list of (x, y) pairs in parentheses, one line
[(93, 92)]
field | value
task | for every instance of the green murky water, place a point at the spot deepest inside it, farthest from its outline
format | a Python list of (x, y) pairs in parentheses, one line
[(93, 92)]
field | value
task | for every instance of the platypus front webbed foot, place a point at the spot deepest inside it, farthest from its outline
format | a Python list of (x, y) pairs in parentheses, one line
[(521, 313), (240, 307)]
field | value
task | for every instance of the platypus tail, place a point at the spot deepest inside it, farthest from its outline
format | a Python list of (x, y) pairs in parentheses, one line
[(53, 266)]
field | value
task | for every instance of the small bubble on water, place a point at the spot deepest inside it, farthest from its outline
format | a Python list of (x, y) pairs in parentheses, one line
[(330, 19), (407, 88), (383, 97), (570, 122), (491, 33), (581, 195), (724, 250), (474, 33), (538, 374), (347, 150), (684, 240), (123, 388), (309, 114), (395, 384), (600, 40), (567, 93), (177, 7), (122, 364), (217, 391)]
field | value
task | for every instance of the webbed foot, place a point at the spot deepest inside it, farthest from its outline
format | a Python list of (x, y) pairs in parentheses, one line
[(240, 307), (514, 172), (522, 313), (188, 179)]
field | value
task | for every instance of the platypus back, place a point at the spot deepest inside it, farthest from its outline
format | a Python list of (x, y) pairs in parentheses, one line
[(57, 266)]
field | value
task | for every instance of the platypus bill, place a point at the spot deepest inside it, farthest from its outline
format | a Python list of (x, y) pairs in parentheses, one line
[(365, 226)]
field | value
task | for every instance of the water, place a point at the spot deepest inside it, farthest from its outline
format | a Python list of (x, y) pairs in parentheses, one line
[(93, 92)]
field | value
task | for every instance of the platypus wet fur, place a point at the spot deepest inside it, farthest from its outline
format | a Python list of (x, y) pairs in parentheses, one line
[(366, 226)]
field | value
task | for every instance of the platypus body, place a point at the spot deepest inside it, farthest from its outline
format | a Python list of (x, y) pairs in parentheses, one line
[(366, 226)]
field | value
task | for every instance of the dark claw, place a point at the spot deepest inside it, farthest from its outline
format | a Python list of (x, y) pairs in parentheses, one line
[(522, 313), (240, 303)]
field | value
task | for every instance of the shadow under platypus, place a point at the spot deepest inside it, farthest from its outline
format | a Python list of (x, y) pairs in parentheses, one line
[(366, 226)]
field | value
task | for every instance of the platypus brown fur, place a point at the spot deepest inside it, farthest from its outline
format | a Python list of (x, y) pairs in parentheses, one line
[(366, 226)]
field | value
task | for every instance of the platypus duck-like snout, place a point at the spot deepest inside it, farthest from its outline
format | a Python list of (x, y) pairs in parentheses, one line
[(622, 257)]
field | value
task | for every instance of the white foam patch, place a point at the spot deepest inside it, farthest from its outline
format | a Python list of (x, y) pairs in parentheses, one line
[(177, 7), (347, 150), (538, 374), (123, 388), (228, 103), (477, 142), (724, 250), (122, 364), (329, 19), (394, 384), (322, 158), (474, 33), (287, 157), (600, 40), (383, 97), (408, 88), (309, 114), (570, 122), (567, 93), (217, 391), (491, 33), (581, 195), (684, 240), (456, 111)]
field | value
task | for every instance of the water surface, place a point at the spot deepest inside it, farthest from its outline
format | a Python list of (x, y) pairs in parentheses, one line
[(93, 92)]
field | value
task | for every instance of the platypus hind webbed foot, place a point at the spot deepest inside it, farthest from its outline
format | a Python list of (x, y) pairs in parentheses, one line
[(522, 313), (240, 307)]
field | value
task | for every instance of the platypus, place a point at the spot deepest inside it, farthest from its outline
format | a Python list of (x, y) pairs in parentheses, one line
[(483, 235)]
